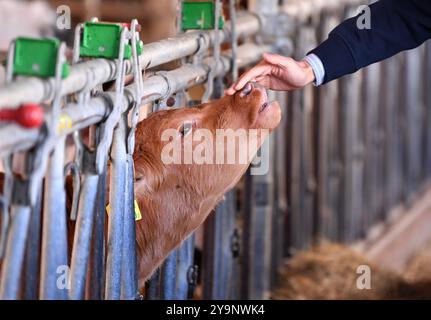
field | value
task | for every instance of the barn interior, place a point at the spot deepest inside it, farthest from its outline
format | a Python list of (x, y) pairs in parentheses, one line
[(336, 205)]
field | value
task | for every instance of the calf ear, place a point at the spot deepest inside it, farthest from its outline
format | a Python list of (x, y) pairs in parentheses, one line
[(149, 171)]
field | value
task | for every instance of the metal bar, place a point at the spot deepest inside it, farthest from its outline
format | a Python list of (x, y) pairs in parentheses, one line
[(413, 116), (219, 260), (97, 258), (152, 288), (54, 235), (390, 72), (116, 217), (14, 254), (427, 99), (328, 179), (371, 119), (294, 173), (129, 281), (185, 263), (15, 139), (32, 259), (351, 199), (256, 275), (94, 72), (83, 233), (168, 277), (303, 191), (280, 192)]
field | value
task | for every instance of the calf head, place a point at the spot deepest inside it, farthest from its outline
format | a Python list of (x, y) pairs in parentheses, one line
[(186, 159)]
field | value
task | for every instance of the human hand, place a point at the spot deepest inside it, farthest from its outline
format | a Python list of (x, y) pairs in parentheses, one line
[(278, 73)]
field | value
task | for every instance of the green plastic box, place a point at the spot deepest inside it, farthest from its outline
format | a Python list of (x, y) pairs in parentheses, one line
[(199, 16), (37, 57), (102, 40)]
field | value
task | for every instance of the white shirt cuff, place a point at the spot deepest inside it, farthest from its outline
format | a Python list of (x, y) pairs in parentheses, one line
[(318, 68)]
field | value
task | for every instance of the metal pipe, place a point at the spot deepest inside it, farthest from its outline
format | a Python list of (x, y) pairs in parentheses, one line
[(97, 257), (32, 259), (14, 254), (94, 72), (152, 288), (16, 139), (129, 276), (168, 277), (54, 236), (82, 238), (116, 216), (184, 264), (219, 258)]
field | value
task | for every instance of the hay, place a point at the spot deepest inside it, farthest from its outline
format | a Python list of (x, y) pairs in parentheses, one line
[(328, 272)]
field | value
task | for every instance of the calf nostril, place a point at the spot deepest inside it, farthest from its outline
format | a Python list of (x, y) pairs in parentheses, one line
[(246, 90)]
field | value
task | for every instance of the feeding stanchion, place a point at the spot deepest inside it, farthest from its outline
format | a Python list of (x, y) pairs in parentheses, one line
[(42, 58), (114, 41)]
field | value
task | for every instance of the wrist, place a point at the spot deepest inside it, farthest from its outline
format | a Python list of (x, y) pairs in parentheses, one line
[(309, 72)]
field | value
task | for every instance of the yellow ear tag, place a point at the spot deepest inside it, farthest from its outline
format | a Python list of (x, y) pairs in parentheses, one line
[(138, 215)]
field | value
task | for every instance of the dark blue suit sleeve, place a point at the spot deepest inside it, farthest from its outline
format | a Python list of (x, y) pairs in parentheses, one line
[(396, 25)]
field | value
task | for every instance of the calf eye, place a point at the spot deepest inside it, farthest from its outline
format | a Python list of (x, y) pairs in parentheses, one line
[(186, 128)]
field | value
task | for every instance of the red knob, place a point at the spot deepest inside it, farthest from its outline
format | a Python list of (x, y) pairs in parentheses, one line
[(28, 115)]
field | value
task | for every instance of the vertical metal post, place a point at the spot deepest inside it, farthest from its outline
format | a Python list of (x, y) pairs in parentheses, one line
[(256, 269), (427, 102), (129, 281), (185, 269), (54, 237), (116, 217), (97, 258), (152, 288), (280, 192), (32, 258), (83, 234), (351, 202), (328, 183), (373, 194), (219, 261), (392, 159), (414, 114), (15, 249), (168, 277), (129, 269), (301, 172)]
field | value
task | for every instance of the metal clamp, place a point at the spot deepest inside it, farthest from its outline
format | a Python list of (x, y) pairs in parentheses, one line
[(73, 168), (115, 114)]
